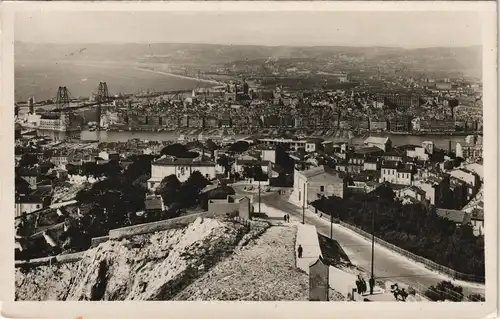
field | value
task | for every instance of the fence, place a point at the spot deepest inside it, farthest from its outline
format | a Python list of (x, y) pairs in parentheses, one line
[(428, 263)]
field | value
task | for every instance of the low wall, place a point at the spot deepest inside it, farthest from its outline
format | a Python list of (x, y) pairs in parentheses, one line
[(159, 225), (118, 234), (225, 207), (97, 240), (36, 262), (69, 258)]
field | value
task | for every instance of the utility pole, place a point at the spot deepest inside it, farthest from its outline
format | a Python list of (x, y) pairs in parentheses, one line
[(304, 204), (331, 225), (259, 197), (372, 279)]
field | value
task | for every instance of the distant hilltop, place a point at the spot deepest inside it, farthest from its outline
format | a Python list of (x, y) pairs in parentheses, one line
[(449, 58)]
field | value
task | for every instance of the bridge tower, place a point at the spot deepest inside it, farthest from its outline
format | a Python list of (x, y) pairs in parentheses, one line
[(62, 102), (102, 96)]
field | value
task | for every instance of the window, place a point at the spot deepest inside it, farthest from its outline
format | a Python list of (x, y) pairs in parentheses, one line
[(322, 188)]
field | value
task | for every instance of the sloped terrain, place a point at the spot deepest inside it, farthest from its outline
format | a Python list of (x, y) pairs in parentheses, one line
[(146, 267), (263, 270), (210, 259)]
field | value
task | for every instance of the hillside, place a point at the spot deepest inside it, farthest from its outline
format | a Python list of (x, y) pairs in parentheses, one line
[(459, 59), (263, 270), (177, 264)]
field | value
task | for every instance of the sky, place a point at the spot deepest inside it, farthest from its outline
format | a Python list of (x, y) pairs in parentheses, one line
[(393, 29)]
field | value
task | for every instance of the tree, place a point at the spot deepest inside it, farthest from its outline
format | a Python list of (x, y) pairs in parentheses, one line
[(188, 193), (284, 160), (91, 169), (226, 162), (141, 165), (168, 189), (197, 180), (239, 147), (254, 172), (28, 159), (218, 193), (72, 169), (211, 145), (111, 168), (178, 150)]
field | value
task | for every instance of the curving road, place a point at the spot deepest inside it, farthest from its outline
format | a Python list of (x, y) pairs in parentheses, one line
[(387, 264)]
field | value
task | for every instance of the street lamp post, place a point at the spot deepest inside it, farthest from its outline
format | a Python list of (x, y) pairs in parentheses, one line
[(304, 204), (331, 225), (259, 197), (372, 279)]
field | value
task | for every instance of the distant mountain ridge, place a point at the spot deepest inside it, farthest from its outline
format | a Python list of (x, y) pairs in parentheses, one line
[(452, 58)]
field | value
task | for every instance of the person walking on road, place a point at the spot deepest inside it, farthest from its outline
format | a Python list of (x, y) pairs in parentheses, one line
[(363, 285), (299, 251), (287, 218)]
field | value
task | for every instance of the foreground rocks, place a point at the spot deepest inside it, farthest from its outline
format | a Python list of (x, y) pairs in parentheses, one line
[(263, 270), (146, 267), (210, 259)]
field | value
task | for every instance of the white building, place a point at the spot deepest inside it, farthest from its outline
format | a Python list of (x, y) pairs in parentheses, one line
[(269, 155), (182, 168), (293, 145), (384, 143), (418, 153), (311, 184), (396, 173)]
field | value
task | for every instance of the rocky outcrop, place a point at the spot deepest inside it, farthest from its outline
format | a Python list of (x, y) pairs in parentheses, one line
[(262, 270), (144, 267)]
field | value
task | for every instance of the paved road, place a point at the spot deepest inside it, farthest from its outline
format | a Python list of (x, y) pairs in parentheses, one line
[(387, 265)]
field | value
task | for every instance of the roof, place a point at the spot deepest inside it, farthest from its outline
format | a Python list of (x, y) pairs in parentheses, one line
[(319, 171), (408, 147), (29, 199), (405, 168), (153, 204), (393, 153), (453, 215), (377, 140), (390, 164), (477, 214), (367, 150), (371, 160), (24, 171), (251, 162), (182, 161)]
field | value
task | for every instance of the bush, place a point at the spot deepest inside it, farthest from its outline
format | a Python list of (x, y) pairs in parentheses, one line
[(476, 297), (445, 290)]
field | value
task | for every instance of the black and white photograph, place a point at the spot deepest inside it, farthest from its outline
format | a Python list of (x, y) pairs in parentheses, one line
[(244, 155)]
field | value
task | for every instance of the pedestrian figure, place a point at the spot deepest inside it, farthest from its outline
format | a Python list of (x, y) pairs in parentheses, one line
[(371, 282), (284, 218), (363, 285), (320, 215), (299, 251), (287, 218), (358, 286)]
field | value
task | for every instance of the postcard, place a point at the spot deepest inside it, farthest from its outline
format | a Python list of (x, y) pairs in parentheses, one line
[(249, 159)]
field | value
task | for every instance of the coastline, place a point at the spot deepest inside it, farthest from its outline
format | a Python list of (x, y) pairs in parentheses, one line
[(178, 75)]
